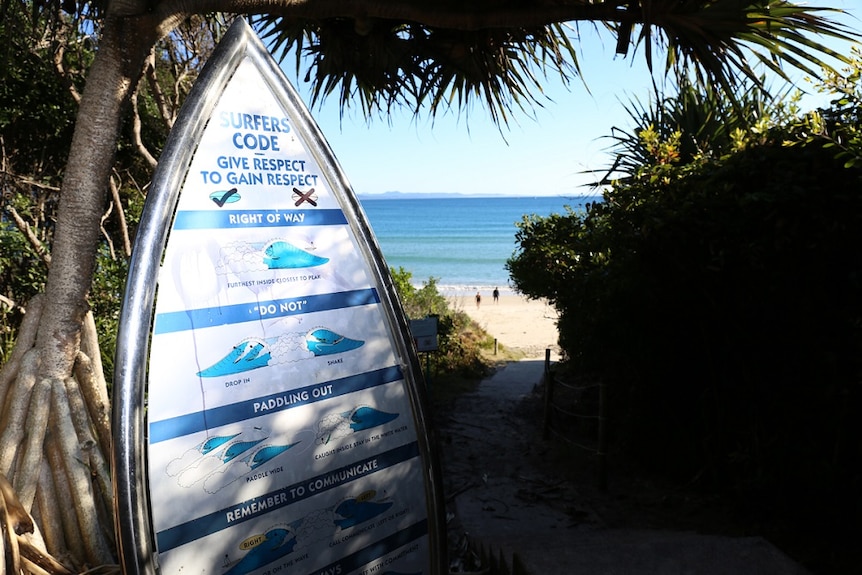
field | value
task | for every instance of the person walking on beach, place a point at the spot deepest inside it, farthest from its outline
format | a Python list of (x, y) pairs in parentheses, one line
[(496, 295), (478, 299)]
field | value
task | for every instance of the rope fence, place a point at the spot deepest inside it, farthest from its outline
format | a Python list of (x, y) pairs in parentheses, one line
[(576, 413)]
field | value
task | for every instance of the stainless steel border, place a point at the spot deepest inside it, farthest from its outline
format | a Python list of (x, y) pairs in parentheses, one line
[(135, 540)]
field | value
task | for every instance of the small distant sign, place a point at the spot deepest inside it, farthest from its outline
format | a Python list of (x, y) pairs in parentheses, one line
[(424, 333)]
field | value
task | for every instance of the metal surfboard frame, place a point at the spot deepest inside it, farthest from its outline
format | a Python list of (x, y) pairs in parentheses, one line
[(135, 536)]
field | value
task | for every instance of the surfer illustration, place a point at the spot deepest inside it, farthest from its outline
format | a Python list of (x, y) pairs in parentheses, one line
[(222, 459), (241, 257), (322, 341), (255, 352), (342, 424), (356, 510), (279, 255), (251, 353), (273, 545)]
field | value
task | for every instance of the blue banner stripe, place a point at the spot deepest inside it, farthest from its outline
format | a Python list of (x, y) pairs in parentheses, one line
[(220, 219), (236, 412), (238, 313), (214, 522), (376, 550)]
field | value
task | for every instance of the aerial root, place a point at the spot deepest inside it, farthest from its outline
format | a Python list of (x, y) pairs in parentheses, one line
[(78, 476), (91, 378), (97, 406), (12, 556), (23, 343), (92, 454), (30, 459), (20, 554), (14, 423), (51, 523), (66, 516), (55, 435)]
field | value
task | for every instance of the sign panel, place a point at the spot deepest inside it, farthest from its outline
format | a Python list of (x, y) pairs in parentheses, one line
[(424, 333), (285, 431)]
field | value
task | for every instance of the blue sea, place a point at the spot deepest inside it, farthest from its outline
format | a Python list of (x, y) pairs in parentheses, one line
[(462, 242)]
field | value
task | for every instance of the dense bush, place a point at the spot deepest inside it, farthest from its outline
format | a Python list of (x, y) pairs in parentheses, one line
[(735, 315), (460, 341), (722, 301)]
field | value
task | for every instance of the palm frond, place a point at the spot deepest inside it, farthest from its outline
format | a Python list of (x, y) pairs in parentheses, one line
[(701, 118), (393, 64), (385, 62), (725, 38)]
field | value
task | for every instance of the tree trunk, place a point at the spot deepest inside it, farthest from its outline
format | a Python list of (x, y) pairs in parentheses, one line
[(54, 431)]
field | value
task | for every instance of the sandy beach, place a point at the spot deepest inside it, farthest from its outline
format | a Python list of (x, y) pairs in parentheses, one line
[(514, 320)]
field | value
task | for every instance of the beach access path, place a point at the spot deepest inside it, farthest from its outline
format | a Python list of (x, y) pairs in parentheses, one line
[(515, 321), (501, 493)]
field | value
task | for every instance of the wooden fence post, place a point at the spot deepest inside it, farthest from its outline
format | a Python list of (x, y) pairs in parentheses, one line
[(603, 438), (549, 396)]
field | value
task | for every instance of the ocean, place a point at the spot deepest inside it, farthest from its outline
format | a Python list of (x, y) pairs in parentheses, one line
[(461, 242)]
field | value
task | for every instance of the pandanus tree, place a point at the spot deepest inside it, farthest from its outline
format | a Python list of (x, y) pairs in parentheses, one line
[(422, 55)]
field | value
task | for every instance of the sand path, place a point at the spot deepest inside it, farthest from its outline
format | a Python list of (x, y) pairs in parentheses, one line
[(514, 321)]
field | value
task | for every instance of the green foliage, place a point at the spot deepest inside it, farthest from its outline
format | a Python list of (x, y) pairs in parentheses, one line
[(37, 117), (421, 302), (460, 340), (37, 114), (675, 133), (838, 126), (384, 64), (720, 299), (109, 284), (22, 275), (554, 255)]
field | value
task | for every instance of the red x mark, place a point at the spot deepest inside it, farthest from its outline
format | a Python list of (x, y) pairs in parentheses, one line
[(309, 197)]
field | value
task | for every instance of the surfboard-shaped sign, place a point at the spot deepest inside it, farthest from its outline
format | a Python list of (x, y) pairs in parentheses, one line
[(284, 429)]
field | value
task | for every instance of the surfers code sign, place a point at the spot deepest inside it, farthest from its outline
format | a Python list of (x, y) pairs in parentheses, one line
[(284, 432), (254, 133)]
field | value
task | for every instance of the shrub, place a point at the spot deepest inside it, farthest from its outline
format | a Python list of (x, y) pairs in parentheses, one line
[(459, 339), (721, 301)]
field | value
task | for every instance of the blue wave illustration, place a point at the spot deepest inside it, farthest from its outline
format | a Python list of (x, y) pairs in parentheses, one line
[(238, 449), (213, 443), (367, 417), (264, 454), (280, 255), (247, 355), (356, 512), (277, 543), (322, 341)]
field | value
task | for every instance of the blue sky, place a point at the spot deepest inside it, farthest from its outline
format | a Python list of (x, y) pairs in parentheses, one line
[(541, 155)]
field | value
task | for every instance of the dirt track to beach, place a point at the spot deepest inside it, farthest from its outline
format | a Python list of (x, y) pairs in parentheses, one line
[(516, 322), (507, 487)]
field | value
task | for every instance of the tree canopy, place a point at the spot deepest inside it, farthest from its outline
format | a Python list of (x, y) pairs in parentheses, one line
[(432, 56), (502, 55)]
